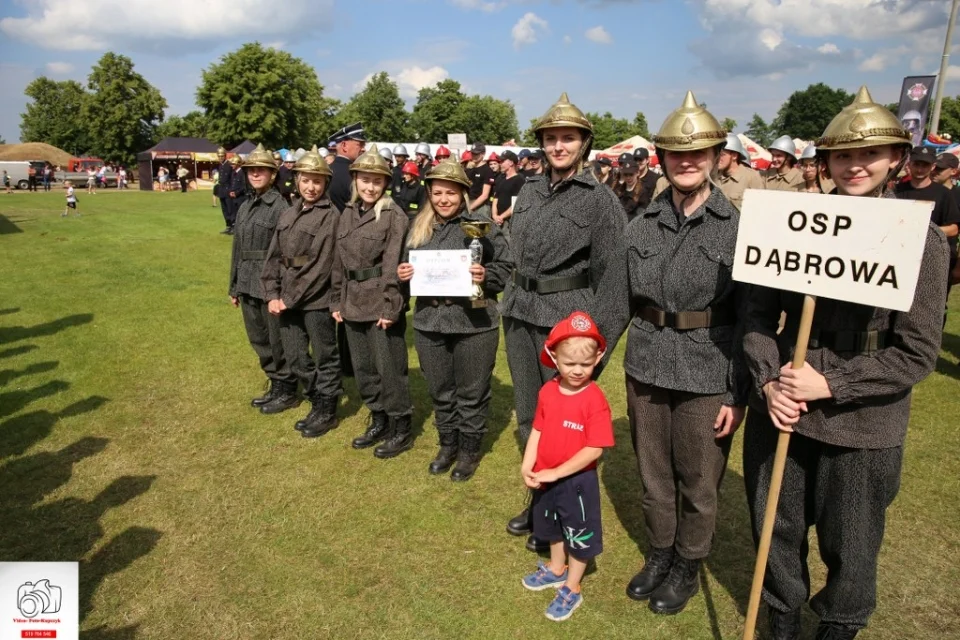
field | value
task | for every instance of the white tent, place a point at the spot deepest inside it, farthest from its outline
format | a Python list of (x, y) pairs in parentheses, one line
[(627, 146), (759, 157)]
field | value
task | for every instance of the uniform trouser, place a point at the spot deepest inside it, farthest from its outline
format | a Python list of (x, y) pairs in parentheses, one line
[(225, 210), (458, 368), (524, 344), (263, 331), (234, 205), (842, 492), (316, 330), (681, 465), (183, 185), (379, 359)]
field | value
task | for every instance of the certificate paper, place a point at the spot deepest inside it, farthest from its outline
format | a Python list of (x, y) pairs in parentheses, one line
[(441, 274)]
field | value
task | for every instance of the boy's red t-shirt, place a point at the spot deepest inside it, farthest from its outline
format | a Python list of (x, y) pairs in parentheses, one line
[(569, 423)]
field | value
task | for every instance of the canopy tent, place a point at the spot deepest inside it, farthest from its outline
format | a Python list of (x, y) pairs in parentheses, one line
[(173, 151), (629, 146), (243, 148), (759, 157)]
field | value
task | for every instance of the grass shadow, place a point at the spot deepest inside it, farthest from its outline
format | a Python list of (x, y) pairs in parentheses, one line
[(8, 375), (13, 401), (6, 226), (951, 344), (103, 633), (499, 415), (621, 480), (21, 432), (18, 351), (6, 312), (12, 334), (732, 557)]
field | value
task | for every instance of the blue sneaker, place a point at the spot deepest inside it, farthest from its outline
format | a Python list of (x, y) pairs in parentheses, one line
[(564, 605), (544, 578)]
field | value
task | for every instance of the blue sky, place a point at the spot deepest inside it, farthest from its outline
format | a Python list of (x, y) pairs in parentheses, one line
[(622, 56)]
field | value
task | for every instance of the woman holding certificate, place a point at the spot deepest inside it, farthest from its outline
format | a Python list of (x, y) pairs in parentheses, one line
[(366, 298), (457, 337)]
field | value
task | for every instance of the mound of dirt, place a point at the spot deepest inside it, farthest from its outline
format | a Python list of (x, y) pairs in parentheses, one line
[(35, 151)]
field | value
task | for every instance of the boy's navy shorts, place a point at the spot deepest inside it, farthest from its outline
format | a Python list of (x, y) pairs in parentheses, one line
[(72, 205), (569, 510)]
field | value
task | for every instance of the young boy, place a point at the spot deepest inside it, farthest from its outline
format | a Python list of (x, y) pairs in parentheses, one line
[(6, 181), (571, 428), (71, 200)]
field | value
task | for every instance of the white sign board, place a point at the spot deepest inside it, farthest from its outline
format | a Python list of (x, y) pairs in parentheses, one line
[(441, 274), (457, 140), (863, 250)]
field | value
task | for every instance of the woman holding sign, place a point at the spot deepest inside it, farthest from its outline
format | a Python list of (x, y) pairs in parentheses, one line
[(366, 298), (848, 406), (686, 380), (456, 341)]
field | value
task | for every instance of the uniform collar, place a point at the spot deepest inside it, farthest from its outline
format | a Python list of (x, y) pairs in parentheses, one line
[(269, 196), (716, 204)]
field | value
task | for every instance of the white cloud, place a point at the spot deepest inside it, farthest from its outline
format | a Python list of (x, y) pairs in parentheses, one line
[(828, 48), (770, 38), (599, 35), (527, 29), (411, 80), (59, 68), (883, 59), (567, 40), (134, 24), (278, 45), (480, 5)]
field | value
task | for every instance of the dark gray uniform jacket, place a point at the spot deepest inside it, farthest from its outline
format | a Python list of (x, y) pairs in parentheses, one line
[(687, 267), (339, 189), (308, 232), (252, 232), (364, 242), (224, 173), (870, 407), (456, 315), (575, 227)]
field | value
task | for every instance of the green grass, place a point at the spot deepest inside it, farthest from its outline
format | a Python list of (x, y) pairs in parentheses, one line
[(127, 442)]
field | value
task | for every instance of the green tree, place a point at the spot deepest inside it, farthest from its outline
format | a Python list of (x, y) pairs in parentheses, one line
[(529, 139), (759, 131), (433, 115), (950, 117), (729, 124), (380, 108), (3, 140), (485, 119), (124, 107), (807, 112), (608, 130), (640, 127), (264, 95), (56, 115), (192, 125)]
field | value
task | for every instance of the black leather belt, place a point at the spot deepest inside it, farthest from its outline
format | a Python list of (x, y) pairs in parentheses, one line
[(294, 263), (686, 320), (253, 255), (364, 274), (445, 302), (858, 342), (553, 285)]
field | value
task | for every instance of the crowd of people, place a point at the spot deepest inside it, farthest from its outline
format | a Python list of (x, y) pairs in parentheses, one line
[(577, 257)]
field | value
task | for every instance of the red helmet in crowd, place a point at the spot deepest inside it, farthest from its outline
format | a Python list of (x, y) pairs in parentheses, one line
[(411, 167), (493, 158), (442, 152), (466, 156)]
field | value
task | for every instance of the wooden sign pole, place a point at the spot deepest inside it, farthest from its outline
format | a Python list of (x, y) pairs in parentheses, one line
[(776, 480)]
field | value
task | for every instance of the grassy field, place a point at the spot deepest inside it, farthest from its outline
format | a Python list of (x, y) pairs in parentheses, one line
[(127, 443)]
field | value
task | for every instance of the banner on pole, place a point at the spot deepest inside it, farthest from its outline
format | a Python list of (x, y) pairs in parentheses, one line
[(863, 250), (914, 100)]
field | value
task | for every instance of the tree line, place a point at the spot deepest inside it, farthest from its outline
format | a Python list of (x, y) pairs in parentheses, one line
[(269, 96)]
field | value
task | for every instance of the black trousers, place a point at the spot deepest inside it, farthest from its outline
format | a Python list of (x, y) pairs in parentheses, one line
[(31, 183), (183, 185), (842, 492), (228, 215), (263, 332), (524, 344), (458, 368), (380, 365), (303, 331), (681, 465)]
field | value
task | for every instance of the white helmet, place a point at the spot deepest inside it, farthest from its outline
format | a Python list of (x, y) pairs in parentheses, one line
[(323, 152), (809, 152), (288, 157), (400, 150), (785, 144), (734, 144), (299, 153), (423, 148), (386, 154)]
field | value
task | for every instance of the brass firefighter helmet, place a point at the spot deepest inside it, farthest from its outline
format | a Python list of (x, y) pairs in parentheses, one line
[(451, 170), (371, 162), (236, 161), (689, 128), (221, 151), (311, 162), (260, 157), (276, 156), (563, 114), (862, 123)]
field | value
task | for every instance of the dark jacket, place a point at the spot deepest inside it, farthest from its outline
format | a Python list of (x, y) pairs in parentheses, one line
[(252, 232), (307, 233), (237, 186), (574, 228), (870, 407), (687, 267), (340, 183), (410, 196), (285, 182), (456, 315), (364, 242), (224, 173)]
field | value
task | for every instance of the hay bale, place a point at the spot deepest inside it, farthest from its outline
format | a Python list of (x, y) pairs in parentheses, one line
[(35, 151)]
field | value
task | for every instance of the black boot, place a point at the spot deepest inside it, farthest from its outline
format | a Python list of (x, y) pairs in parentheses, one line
[(654, 571), (536, 545), (834, 631), (522, 523), (677, 588), (468, 459), (449, 445), (784, 626), (286, 398), (377, 431), (323, 416), (400, 440), (268, 396)]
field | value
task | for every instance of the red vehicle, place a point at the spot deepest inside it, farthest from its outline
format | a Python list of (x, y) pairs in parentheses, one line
[(82, 164)]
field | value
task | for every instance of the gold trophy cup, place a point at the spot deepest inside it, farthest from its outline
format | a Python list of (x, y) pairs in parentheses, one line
[(476, 229)]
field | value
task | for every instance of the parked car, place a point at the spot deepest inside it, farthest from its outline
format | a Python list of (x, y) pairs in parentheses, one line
[(79, 178), (18, 170)]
